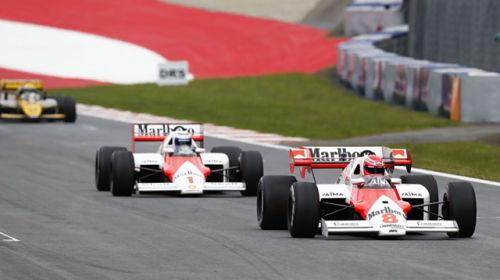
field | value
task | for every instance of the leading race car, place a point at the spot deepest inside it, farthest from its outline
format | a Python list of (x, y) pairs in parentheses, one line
[(179, 165), (364, 198), (30, 102)]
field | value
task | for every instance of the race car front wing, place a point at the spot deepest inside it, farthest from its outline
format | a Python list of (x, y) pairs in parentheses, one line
[(354, 226)]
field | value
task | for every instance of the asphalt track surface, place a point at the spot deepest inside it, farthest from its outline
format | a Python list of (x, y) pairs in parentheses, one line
[(69, 230)]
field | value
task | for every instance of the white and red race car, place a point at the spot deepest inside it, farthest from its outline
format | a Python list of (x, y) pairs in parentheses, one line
[(224, 169), (356, 203)]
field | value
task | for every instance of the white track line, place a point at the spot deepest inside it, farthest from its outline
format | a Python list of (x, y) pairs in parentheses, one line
[(11, 239), (239, 135)]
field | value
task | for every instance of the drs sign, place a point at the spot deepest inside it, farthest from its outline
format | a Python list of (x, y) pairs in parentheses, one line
[(173, 73)]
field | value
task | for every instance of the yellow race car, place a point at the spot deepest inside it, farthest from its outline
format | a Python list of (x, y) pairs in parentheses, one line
[(25, 99)]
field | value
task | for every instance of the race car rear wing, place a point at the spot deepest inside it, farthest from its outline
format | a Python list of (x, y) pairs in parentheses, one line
[(15, 84), (339, 157), (159, 131)]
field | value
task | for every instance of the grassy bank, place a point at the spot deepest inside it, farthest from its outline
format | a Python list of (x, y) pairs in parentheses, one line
[(473, 159), (289, 104)]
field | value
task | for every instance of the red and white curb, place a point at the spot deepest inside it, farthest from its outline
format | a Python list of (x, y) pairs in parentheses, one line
[(224, 132)]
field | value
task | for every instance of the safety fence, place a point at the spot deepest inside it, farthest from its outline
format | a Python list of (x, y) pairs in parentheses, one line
[(453, 91)]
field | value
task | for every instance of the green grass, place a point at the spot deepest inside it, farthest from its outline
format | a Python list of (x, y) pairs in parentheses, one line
[(289, 104), (473, 159)]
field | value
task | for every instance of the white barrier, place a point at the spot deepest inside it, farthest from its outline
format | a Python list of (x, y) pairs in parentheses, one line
[(449, 90)]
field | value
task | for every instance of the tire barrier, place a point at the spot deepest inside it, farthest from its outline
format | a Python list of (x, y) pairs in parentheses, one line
[(452, 91)]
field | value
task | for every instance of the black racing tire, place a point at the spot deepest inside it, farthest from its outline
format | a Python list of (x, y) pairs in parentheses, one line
[(460, 205), (303, 210), (251, 170), (429, 182), (272, 198), (122, 173), (69, 109), (60, 101), (233, 153), (103, 167)]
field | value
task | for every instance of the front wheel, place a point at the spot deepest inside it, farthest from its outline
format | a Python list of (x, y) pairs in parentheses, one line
[(460, 205), (429, 182), (122, 173), (251, 170), (232, 153), (272, 197), (303, 210), (69, 109)]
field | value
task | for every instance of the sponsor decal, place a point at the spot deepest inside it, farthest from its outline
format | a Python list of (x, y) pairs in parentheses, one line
[(385, 210), (429, 224), (399, 153), (346, 224), (412, 194), (181, 128), (188, 173), (150, 129), (145, 129), (392, 226), (328, 156), (149, 161), (393, 230), (212, 160), (332, 194)]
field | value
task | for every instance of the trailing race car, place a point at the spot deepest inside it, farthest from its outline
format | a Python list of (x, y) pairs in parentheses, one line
[(30, 102), (179, 165), (364, 198)]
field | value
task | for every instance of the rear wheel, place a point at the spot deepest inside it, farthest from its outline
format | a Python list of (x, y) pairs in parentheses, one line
[(103, 167), (430, 184), (303, 210), (233, 154), (122, 173), (69, 109), (251, 170), (460, 205), (272, 197)]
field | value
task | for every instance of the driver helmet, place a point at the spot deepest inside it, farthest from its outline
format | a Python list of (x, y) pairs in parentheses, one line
[(28, 87), (373, 166), (183, 140)]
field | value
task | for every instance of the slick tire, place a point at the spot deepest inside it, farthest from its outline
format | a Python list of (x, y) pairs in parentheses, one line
[(69, 109), (60, 101), (303, 210), (430, 184), (251, 170), (460, 205), (103, 167), (272, 198), (233, 154), (122, 173)]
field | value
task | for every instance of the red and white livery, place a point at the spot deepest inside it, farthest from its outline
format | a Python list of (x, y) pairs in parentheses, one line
[(363, 198), (179, 165)]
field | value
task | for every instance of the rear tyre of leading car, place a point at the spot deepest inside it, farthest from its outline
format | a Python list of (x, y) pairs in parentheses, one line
[(103, 167), (122, 173), (460, 205), (251, 170), (303, 210), (272, 197)]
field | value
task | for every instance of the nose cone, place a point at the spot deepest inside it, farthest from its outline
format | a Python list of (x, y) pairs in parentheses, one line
[(31, 109), (387, 216)]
